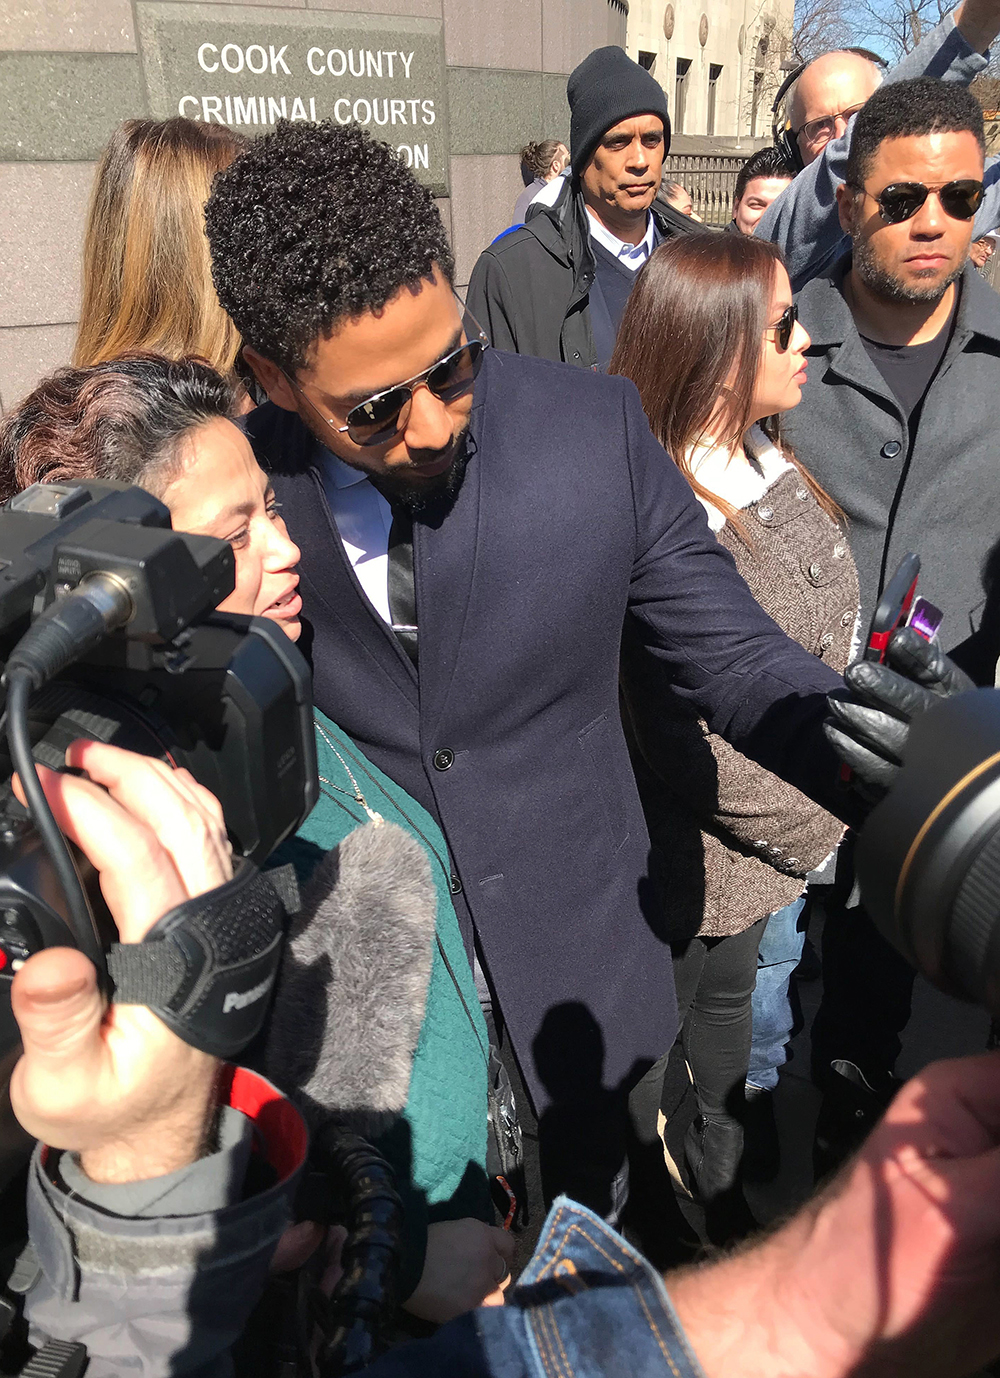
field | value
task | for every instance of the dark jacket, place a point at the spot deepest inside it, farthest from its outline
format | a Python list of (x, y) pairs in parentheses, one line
[(569, 519), (530, 290), (849, 431)]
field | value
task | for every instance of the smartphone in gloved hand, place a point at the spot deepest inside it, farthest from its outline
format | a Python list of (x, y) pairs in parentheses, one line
[(899, 607)]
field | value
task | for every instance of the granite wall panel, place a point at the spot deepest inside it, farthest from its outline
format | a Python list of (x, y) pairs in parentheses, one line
[(493, 111), (62, 107), (27, 354), (41, 235), (420, 9), (555, 107), (479, 33), (69, 26), (484, 188), (571, 30)]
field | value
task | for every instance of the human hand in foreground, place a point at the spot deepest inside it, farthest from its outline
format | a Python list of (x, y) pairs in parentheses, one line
[(113, 1082), (869, 725), (893, 1270), (465, 1264)]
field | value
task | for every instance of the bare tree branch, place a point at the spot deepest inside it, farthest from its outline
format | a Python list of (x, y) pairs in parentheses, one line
[(897, 26), (821, 25)]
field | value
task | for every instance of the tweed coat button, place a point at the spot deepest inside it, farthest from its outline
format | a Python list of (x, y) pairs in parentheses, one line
[(761, 845), (765, 513), (444, 758), (846, 618), (839, 550), (793, 862), (826, 640), (802, 494), (891, 449), (815, 572)]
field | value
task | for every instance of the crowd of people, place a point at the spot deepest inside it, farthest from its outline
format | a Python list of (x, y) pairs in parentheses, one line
[(582, 567)]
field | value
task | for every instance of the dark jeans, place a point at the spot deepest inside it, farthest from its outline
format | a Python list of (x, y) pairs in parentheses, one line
[(714, 979)]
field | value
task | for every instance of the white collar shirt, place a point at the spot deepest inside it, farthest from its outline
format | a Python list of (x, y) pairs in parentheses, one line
[(633, 256), (363, 518)]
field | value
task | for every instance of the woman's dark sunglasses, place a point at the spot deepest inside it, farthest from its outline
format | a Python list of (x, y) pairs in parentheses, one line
[(784, 327), (379, 418), (901, 200)]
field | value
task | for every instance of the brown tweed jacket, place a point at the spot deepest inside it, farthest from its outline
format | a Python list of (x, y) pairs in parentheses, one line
[(732, 842)]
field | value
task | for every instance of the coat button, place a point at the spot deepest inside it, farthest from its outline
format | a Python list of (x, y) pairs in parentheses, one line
[(761, 845), (846, 618), (815, 572), (891, 449), (456, 884), (839, 551), (765, 513), (802, 494), (793, 862), (444, 758), (826, 640)]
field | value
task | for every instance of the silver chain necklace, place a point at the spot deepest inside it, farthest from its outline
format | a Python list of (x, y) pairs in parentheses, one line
[(357, 796)]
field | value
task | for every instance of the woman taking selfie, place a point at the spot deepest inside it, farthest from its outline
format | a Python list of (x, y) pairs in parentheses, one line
[(168, 426), (711, 338)]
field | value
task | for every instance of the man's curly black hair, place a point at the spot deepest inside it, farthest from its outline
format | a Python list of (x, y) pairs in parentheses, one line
[(312, 224)]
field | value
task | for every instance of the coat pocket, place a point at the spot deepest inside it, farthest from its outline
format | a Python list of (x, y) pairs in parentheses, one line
[(604, 750)]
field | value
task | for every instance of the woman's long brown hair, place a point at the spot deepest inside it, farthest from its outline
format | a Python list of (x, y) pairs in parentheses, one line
[(147, 280), (692, 339)]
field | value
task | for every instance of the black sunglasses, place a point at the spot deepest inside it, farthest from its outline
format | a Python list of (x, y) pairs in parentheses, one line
[(784, 327), (380, 417), (901, 200)]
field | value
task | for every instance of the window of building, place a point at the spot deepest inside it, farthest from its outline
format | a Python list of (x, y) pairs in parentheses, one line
[(680, 92), (646, 60), (714, 73)]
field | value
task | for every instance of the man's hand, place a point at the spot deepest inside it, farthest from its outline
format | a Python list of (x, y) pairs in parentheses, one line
[(893, 1270), (465, 1265), (869, 726), (114, 1083), (978, 22)]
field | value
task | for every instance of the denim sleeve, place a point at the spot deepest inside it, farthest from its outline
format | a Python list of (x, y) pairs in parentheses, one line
[(803, 221), (587, 1306)]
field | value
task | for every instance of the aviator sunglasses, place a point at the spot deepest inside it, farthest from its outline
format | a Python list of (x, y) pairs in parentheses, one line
[(901, 200), (383, 415), (784, 326)]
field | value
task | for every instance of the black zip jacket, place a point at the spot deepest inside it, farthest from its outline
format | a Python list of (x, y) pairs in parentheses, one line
[(530, 290)]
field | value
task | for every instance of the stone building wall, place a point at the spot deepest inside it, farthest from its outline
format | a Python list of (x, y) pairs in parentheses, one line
[(458, 85)]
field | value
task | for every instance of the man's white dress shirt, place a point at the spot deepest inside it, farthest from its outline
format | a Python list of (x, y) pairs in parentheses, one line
[(632, 255), (363, 518)]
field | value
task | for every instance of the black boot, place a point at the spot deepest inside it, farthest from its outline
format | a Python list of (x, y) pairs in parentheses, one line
[(761, 1147), (713, 1149), (851, 1108)]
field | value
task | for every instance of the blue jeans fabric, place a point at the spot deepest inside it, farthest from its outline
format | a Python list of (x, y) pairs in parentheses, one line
[(587, 1306), (777, 957)]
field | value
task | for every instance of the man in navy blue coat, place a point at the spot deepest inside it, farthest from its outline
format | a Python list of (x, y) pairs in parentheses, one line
[(538, 517)]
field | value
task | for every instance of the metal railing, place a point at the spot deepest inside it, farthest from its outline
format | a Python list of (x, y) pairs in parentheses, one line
[(710, 179)]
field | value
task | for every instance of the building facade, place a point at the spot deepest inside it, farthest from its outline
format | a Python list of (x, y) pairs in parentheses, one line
[(720, 63), (457, 86)]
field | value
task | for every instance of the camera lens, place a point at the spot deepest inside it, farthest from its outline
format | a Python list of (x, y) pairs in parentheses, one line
[(928, 857)]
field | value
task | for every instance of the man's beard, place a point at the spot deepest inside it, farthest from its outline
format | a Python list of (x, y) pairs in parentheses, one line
[(882, 283)]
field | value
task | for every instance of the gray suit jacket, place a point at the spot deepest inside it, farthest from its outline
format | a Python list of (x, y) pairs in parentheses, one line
[(945, 503), (803, 220)]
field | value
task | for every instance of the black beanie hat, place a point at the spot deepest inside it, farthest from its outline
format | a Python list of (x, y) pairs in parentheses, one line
[(605, 89)]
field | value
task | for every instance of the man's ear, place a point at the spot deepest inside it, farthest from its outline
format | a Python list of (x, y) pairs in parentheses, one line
[(272, 379), (845, 207)]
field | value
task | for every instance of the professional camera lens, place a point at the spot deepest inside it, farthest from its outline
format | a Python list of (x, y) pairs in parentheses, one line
[(928, 857)]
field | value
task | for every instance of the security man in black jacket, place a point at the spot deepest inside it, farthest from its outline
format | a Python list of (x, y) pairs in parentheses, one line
[(556, 286)]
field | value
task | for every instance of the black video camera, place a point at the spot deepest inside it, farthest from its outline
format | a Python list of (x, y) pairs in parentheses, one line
[(108, 630)]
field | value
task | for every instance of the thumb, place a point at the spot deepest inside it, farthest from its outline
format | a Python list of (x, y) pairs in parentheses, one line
[(58, 1008)]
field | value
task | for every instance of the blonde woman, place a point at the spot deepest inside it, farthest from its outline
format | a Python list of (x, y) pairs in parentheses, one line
[(147, 281)]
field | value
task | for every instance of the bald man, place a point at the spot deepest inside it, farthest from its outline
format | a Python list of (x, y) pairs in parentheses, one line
[(803, 220)]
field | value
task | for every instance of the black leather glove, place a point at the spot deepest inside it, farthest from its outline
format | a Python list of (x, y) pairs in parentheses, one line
[(869, 723)]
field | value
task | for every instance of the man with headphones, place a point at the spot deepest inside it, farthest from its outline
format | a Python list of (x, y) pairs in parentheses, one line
[(813, 118)]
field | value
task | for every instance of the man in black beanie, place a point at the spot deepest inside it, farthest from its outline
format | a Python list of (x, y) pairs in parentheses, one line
[(556, 286)]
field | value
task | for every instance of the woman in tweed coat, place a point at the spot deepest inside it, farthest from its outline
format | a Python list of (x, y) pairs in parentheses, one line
[(711, 339)]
